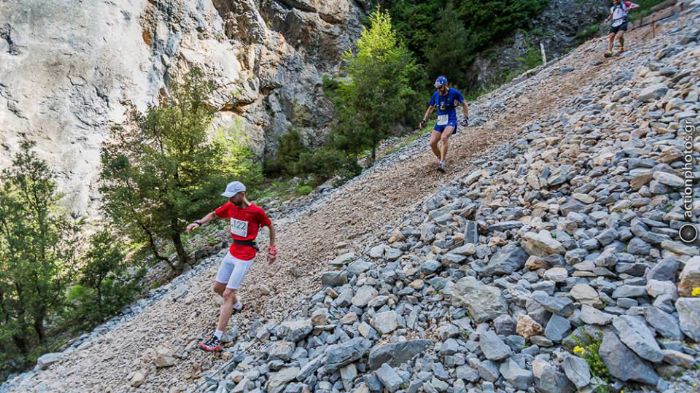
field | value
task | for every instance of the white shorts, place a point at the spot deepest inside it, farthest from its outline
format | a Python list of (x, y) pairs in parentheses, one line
[(232, 271)]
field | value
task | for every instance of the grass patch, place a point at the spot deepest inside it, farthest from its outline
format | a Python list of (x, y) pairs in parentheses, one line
[(587, 33), (588, 348)]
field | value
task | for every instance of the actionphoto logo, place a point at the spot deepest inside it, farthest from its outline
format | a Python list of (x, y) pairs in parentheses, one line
[(688, 232)]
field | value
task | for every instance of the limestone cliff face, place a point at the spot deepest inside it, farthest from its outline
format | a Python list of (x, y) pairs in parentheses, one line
[(69, 68)]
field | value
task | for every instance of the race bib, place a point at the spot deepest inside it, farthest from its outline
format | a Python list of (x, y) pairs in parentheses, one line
[(239, 228), (442, 120)]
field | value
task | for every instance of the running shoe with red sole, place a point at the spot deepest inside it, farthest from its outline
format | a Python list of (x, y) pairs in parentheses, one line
[(213, 344)]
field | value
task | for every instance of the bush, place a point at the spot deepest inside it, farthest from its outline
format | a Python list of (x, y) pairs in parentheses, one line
[(286, 161), (105, 284), (588, 349)]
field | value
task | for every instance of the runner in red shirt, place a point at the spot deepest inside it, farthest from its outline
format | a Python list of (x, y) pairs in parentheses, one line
[(245, 221)]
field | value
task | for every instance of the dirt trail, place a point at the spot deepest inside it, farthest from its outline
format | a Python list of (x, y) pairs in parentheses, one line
[(362, 208)]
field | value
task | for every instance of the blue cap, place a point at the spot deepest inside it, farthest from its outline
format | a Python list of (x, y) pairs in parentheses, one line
[(440, 81)]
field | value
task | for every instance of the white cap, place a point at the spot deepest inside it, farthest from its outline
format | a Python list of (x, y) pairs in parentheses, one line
[(233, 188)]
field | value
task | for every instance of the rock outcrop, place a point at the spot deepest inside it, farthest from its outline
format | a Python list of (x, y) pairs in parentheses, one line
[(68, 70)]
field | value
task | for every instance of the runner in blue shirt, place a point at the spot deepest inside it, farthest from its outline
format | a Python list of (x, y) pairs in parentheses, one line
[(445, 99)]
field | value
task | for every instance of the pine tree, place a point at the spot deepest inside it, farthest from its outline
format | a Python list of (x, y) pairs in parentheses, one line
[(163, 171), (446, 49), (37, 243), (377, 93)]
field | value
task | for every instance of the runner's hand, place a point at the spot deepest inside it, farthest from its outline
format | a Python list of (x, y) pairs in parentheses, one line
[(192, 227), (421, 125), (464, 122), (271, 254)]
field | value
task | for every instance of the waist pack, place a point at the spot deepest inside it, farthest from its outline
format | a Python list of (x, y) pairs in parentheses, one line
[(250, 243)]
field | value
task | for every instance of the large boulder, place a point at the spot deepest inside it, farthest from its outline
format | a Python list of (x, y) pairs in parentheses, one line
[(484, 302)]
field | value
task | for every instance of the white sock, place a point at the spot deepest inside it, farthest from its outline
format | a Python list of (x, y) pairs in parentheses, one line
[(218, 333), (238, 305)]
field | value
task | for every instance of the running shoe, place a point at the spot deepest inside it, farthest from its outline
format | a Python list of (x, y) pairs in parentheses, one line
[(441, 166), (213, 344)]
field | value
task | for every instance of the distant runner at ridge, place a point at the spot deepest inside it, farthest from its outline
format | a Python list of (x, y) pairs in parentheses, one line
[(246, 218), (618, 26), (445, 99)]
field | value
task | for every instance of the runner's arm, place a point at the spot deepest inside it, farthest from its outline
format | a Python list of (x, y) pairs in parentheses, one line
[(426, 116), (272, 249), (209, 217), (465, 108), (272, 233)]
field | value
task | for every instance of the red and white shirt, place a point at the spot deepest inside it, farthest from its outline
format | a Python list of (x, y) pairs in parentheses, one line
[(244, 225)]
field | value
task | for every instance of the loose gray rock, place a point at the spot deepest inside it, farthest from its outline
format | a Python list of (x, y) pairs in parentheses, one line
[(506, 261), (281, 350), (389, 378), (516, 375), (347, 352), (552, 380), (334, 279), (385, 322), (577, 370), (294, 330), (397, 353), (592, 316), (484, 302), (557, 328), (492, 346), (47, 359), (363, 295), (554, 304), (541, 244), (665, 324), (689, 316), (624, 364), (653, 92), (633, 331)]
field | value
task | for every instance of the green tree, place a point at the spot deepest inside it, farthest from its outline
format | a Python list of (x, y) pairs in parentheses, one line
[(377, 93), (37, 243), (446, 48), (163, 171), (105, 284)]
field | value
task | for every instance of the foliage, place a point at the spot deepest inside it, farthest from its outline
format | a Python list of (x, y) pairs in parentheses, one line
[(36, 250), (286, 161), (163, 171), (484, 23), (532, 58), (587, 33), (378, 92), (589, 350), (445, 48), (106, 283), (37, 257)]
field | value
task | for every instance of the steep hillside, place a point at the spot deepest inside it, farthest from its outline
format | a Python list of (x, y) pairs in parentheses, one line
[(559, 215), (68, 69)]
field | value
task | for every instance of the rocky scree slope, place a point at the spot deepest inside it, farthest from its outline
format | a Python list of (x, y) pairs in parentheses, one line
[(569, 234), (569, 226), (70, 69)]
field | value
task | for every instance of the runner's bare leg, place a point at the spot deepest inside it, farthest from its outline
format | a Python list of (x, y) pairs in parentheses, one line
[(434, 139), (445, 145), (226, 308)]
